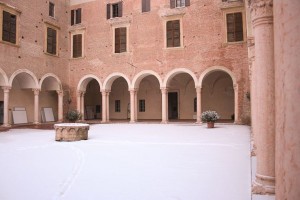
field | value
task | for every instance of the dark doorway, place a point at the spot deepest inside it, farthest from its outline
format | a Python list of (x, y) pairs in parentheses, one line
[(1, 112), (173, 105)]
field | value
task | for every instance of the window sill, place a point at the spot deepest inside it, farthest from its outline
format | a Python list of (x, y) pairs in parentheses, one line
[(49, 54), (173, 48), (121, 54), (79, 58), (10, 44), (225, 44)]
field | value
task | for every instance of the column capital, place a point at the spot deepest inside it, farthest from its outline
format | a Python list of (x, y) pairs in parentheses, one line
[(164, 89), (105, 91), (198, 89), (60, 92), (6, 88), (36, 91), (261, 11)]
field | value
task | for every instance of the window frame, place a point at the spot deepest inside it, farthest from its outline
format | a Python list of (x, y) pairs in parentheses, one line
[(173, 18), (56, 28), (74, 16), (231, 11), (183, 3), (77, 32), (51, 3), (142, 105), (117, 105), (110, 10), (12, 11), (145, 6), (122, 25)]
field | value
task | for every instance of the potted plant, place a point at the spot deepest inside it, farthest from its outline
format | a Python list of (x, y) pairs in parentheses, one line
[(73, 115), (210, 117)]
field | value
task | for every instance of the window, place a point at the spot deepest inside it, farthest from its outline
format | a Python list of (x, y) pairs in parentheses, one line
[(195, 104), (235, 31), (117, 106), (114, 10), (51, 40), (142, 105), (9, 27), (77, 45), (51, 9), (75, 16), (145, 5), (179, 3), (173, 33), (120, 40)]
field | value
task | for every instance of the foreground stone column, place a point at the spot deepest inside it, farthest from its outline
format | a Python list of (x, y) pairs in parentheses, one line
[(236, 104), (287, 94), (5, 106), (36, 106), (164, 92), (199, 107), (135, 105), (78, 101), (107, 106), (104, 107), (132, 106), (82, 106), (60, 94), (264, 111)]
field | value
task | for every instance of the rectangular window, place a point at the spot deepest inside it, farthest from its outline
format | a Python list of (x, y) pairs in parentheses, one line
[(179, 3), (51, 9), (117, 106), (195, 104), (51, 41), (234, 27), (9, 27), (120, 40), (75, 16), (114, 10), (145, 5), (142, 105), (173, 33), (77, 46)]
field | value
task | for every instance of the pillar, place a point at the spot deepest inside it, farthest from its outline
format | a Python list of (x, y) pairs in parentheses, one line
[(135, 105), (78, 101), (287, 95), (164, 93), (199, 109), (104, 106), (264, 110), (5, 106), (36, 93), (82, 105), (132, 105), (236, 104), (107, 106), (60, 95)]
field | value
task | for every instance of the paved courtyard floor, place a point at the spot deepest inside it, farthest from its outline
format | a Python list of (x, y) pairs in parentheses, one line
[(128, 162)]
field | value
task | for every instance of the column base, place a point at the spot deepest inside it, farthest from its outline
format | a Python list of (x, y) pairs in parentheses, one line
[(36, 123), (164, 122), (199, 122), (263, 185), (132, 121), (6, 125)]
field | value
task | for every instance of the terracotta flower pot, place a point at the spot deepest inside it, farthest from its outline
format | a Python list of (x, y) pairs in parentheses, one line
[(210, 124)]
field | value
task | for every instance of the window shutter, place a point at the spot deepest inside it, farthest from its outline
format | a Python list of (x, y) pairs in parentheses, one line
[(117, 40), (187, 3), (78, 16), (54, 42), (77, 46), (123, 40), (239, 36), (144, 6), (230, 27), (13, 28), (108, 11), (120, 9), (72, 17), (172, 3), (176, 33)]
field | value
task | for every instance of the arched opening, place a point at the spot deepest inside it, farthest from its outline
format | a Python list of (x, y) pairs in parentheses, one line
[(181, 95), (21, 103), (149, 99), (218, 94), (93, 101), (119, 100), (49, 99)]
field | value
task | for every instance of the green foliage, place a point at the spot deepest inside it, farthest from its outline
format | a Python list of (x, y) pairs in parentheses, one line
[(73, 115), (210, 116)]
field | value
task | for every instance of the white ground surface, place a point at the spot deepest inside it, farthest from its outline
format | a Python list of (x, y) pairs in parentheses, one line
[(128, 162)]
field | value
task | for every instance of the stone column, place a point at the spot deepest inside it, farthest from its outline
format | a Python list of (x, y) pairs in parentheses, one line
[(199, 109), (135, 105), (82, 105), (5, 106), (132, 105), (236, 104), (164, 92), (36, 93), (104, 107), (107, 105), (60, 95), (264, 110), (287, 94), (78, 100)]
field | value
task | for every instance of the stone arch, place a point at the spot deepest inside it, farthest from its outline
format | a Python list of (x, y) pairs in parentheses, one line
[(110, 79), (139, 77), (3, 78), (51, 82), (85, 80), (175, 72), (27, 78), (216, 68)]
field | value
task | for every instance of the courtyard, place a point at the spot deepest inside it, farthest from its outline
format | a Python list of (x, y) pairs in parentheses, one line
[(128, 162)]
